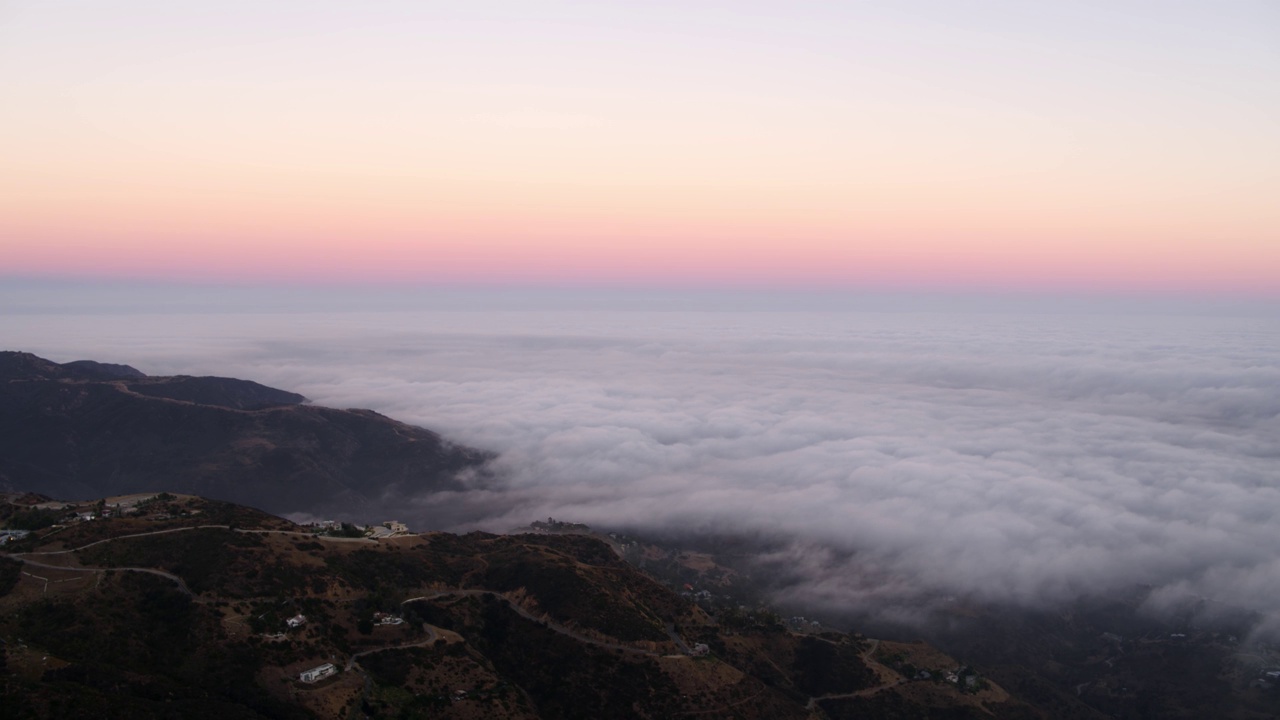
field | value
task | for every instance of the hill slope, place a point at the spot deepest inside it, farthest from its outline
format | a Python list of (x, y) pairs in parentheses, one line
[(182, 609), (85, 429)]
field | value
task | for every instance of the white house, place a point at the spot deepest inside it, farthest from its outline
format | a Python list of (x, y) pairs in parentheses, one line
[(316, 673), (395, 526), (296, 621)]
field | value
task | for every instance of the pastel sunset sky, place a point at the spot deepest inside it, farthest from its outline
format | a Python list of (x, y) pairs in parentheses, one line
[(1113, 145)]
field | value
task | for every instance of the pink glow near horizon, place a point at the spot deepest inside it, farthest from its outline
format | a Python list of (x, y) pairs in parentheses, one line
[(1009, 148), (711, 264)]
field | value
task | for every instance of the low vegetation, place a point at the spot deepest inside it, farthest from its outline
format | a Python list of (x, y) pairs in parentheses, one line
[(186, 620)]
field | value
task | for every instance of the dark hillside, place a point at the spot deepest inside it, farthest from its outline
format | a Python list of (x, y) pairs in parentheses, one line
[(217, 391), (66, 432), (187, 607)]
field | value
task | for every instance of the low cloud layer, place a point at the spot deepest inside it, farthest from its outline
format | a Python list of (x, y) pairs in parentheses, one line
[(994, 457)]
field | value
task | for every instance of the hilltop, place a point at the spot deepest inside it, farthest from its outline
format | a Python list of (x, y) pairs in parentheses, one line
[(85, 430), (176, 605)]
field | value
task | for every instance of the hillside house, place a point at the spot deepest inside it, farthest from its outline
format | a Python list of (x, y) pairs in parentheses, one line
[(296, 621), (317, 673), (395, 526), (700, 650)]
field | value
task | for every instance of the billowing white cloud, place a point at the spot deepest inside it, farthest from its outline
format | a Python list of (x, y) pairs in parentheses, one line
[(997, 457)]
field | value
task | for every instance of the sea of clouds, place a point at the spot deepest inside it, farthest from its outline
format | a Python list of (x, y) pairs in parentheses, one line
[(999, 457)]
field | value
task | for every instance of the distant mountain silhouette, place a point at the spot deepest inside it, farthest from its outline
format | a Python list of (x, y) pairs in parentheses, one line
[(86, 429), (104, 371)]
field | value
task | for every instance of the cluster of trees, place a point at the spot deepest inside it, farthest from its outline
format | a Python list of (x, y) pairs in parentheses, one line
[(33, 519)]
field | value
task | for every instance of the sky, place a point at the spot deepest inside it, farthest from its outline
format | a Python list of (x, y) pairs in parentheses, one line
[(1118, 146), (898, 458)]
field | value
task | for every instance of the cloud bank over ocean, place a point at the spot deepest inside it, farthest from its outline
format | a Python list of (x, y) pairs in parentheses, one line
[(997, 457)]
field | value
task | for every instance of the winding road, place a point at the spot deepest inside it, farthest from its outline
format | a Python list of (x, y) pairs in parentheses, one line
[(256, 531), (353, 661), (182, 585), (549, 624), (865, 692), (431, 633)]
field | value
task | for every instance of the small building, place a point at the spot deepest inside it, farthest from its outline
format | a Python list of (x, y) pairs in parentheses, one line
[(296, 621), (700, 650), (395, 526), (317, 673)]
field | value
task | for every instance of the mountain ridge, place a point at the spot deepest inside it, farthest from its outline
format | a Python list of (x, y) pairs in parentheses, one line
[(85, 429)]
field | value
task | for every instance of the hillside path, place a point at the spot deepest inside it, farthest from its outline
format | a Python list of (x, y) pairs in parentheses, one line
[(545, 622), (257, 531), (182, 585), (865, 692), (431, 637)]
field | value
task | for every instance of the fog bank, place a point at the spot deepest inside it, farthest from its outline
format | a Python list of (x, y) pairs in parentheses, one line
[(997, 457)]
